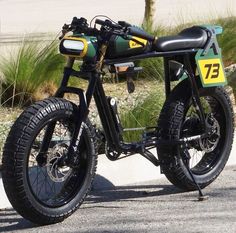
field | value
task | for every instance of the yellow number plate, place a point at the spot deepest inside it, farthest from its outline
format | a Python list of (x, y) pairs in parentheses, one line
[(212, 71)]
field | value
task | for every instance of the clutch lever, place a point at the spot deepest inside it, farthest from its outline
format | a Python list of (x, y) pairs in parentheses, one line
[(65, 29)]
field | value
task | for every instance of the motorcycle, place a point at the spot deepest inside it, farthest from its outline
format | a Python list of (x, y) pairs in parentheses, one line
[(50, 155)]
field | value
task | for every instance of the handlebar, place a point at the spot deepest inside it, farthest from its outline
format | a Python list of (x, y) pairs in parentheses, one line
[(126, 28), (108, 23), (121, 28)]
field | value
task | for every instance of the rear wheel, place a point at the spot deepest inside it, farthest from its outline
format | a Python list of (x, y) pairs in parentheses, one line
[(179, 119), (47, 191)]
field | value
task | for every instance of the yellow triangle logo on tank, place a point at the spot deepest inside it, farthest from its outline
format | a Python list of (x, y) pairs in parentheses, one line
[(135, 44)]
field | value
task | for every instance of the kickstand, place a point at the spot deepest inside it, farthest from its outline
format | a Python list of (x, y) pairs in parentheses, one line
[(201, 196)]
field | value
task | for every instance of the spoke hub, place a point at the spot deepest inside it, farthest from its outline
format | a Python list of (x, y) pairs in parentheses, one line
[(209, 143), (55, 169)]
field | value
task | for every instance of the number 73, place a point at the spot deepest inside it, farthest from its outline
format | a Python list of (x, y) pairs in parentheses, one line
[(213, 69)]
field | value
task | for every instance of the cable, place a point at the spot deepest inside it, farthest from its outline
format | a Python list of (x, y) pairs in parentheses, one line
[(104, 16)]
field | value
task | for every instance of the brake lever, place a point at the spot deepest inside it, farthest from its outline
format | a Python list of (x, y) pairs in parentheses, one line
[(65, 29)]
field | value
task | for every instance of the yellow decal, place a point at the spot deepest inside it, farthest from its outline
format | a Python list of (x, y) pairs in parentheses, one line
[(212, 71), (134, 44)]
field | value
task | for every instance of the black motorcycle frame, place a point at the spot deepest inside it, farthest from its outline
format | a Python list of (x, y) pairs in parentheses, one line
[(109, 122)]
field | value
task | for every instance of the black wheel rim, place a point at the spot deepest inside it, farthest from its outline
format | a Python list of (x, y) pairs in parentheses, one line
[(205, 155), (50, 184)]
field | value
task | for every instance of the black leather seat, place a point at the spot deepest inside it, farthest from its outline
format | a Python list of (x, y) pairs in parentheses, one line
[(194, 37)]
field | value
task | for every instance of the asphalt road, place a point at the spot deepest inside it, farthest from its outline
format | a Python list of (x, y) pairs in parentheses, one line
[(151, 207)]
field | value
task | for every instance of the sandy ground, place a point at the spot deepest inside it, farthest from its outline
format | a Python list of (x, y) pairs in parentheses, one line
[(20, 16)]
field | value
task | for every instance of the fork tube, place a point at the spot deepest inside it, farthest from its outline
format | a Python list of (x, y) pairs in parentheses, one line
[(91, 86), (50, 129), (195, 92), (67, 69), (167, 76)]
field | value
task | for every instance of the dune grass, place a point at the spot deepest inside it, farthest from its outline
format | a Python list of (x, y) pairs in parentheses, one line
[(25, 70)]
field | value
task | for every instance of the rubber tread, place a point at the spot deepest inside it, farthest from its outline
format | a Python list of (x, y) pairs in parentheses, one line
[(169, 124), (13, 155)]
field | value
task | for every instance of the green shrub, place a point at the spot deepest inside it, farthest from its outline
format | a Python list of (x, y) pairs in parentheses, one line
[(27, 69), (227, 40), (152, 69), (232, 81), (144, 113)]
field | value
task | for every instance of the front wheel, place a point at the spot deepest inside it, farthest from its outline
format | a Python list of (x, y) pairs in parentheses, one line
[(180, 119), (48, 191)]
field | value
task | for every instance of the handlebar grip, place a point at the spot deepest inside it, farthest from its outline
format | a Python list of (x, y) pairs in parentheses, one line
[(100, 22), (124, 24), (107, 23), (135, 31)]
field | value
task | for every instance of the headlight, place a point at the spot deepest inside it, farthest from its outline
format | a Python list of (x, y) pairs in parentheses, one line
[(73, 46)]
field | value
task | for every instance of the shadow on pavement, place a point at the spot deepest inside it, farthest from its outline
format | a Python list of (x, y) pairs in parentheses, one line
[(10, 221), (100, 182), (131, 192)]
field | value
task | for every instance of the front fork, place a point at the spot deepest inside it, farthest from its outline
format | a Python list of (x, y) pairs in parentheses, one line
[(195, 92), (204, 124), (82, 114), (93, 74), (42, 155)]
